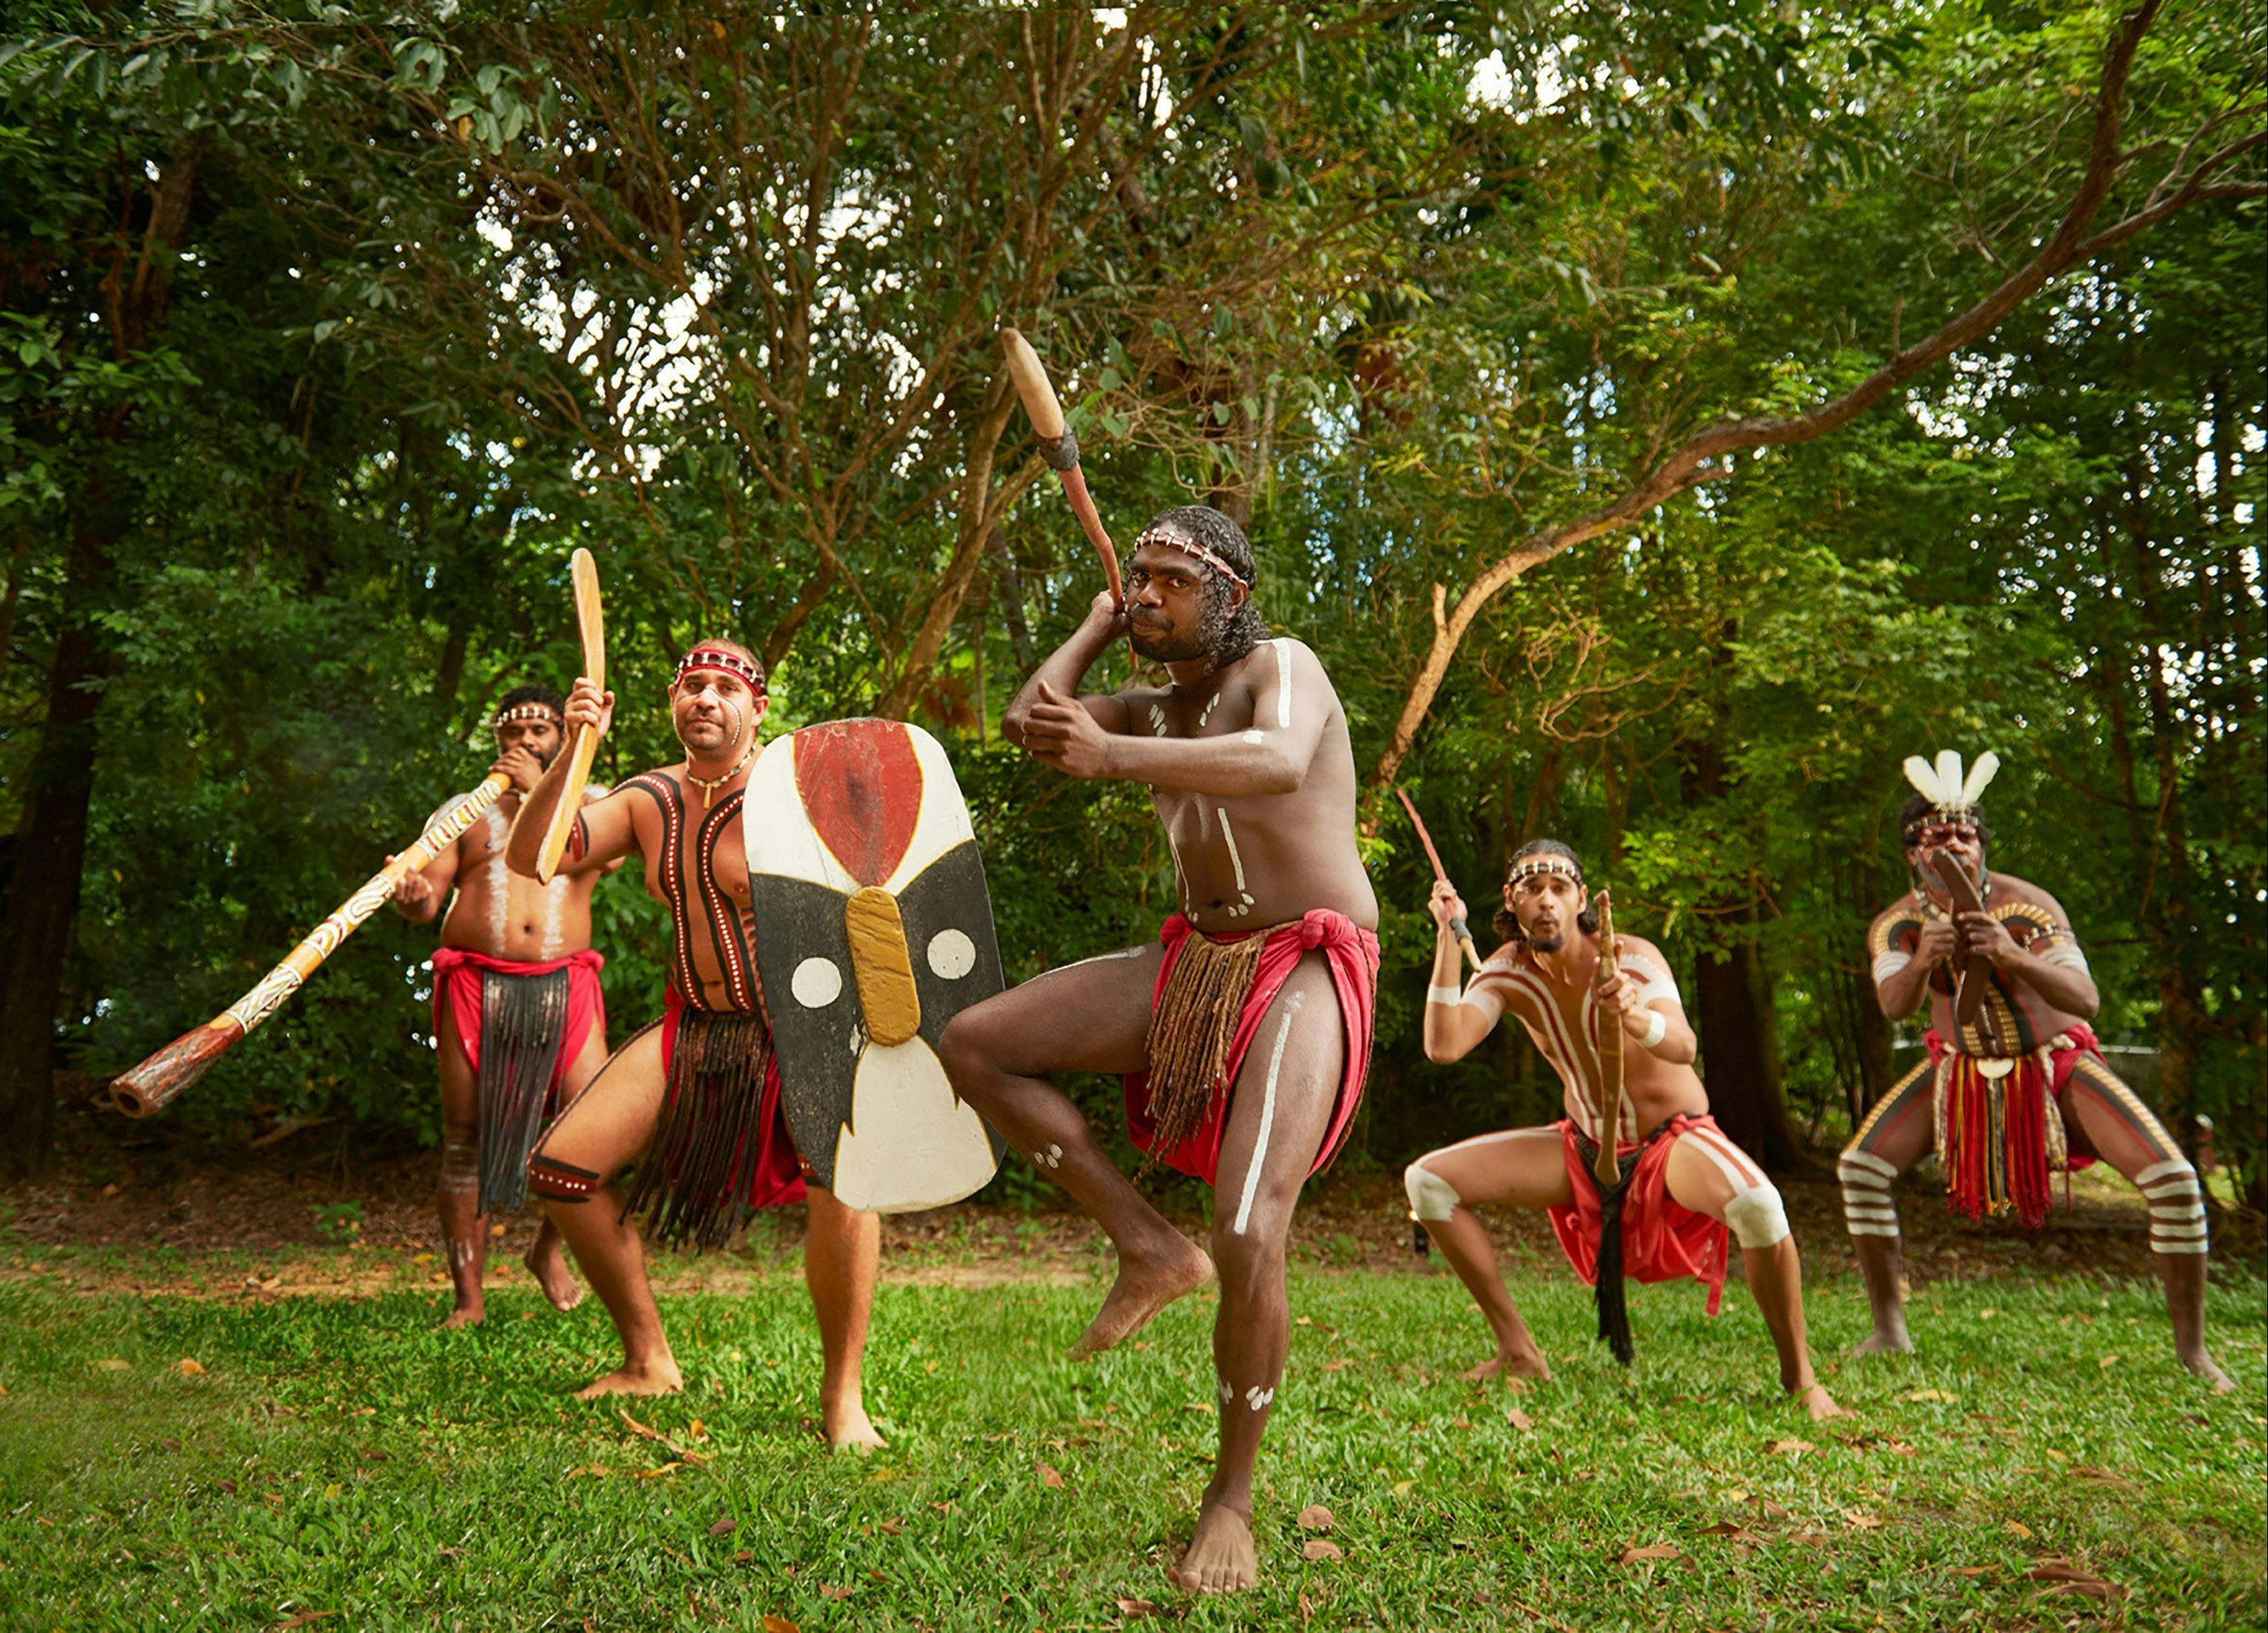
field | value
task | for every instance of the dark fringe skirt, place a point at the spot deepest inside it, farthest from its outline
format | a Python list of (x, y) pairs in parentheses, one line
[(697, 1179), (1193, 1028), (523, 1028)]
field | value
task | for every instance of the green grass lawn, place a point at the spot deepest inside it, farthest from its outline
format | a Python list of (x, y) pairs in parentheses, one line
[(336, 1463)]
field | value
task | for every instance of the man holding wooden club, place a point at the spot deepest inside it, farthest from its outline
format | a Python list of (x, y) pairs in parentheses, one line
[(2015, 1087), (1244, 1034), (693, 1098), (520, 1021), (1658, 1203)]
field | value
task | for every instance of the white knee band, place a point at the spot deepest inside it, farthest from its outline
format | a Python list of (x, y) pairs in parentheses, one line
[(1756, 1216), (2177, 1207), (1432, 1197), (1867, 1209)]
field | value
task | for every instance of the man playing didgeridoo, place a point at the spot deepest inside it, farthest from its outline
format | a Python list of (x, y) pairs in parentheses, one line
[(1686, 1183), (1243, 1035), (519, 1018), (2018, 1091), (697, 1091)]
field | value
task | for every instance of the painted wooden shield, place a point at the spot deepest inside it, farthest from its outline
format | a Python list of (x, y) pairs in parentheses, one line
[(873, 930)]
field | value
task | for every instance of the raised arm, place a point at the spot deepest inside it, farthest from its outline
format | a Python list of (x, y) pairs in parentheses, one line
[(1292, 703), (1456, 1019), (603, 832), (1065, 667)]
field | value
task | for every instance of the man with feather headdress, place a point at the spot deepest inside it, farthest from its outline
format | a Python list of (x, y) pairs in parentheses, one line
[(2015, 1087)]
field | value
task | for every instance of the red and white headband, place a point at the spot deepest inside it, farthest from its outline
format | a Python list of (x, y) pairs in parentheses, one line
[(723, 659), (1173, 540)]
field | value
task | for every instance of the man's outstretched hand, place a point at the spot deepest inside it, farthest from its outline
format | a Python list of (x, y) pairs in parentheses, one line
[(1059, 732)]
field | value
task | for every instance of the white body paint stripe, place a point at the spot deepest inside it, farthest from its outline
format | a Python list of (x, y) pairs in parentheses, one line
[(2165, 1171), (1867, 1159), (1267, 1118), (1873, 1230), (1283, 683), (1890, 963), (2198, 1246), (1744, 1175), (1122, 953)]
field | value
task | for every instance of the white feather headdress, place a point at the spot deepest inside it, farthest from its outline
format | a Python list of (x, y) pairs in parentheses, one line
[(1944, 786)]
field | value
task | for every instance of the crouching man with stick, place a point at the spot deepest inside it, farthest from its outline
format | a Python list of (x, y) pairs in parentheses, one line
[(1244, 1034), (694, 1100), (519, 1018), (1677, 1182)]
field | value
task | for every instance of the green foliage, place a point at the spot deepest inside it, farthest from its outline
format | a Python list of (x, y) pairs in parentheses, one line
[(717, 297)]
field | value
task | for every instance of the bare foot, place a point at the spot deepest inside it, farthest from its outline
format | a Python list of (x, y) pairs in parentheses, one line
[(1819, 1403), (1507, 1364), (468, 1312), (1144, 1286), (1884, 1340), (656, 1377), (548, 1266), (2204, 1367), (849, 1429), (1221, 1559)]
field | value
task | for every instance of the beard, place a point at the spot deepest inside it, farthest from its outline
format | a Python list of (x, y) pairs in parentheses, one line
[(1546, 939), (1162, 644)]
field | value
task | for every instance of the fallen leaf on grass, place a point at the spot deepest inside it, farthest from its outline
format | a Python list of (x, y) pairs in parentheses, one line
[(644, 1431), (1315, 1516), (2108, 1361), (725, 1527), (1518, 1419), (1726, 1528), (2067, 1577), (892, 1526), (188, 1368), (2103, 1476), (1795, 1447), (1339, 1365), (780, 1624), (113, 1365), (595, 1470), (1969, 1570), (1135, 1609), (744, 1557), (656, 1474), (2018, 1528), (1809, 1539), (1929, 1394), (1317, 1549), (1654, 1550), (697, 1429), (228, 1486), (306, 1617), (1048, 1477), (1859, 1520), (828, 1589)]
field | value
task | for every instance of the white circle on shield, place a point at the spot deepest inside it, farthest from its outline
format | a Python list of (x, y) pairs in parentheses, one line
[(816, 983), (952, 954)]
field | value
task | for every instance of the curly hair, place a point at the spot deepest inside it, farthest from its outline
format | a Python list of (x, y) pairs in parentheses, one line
[(1506, 927), (1228, 630), (533, 691)]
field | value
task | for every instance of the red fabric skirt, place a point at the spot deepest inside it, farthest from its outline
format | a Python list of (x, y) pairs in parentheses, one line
[(777, 1177), (457, 973), (1351, 953), (1662, 1239)]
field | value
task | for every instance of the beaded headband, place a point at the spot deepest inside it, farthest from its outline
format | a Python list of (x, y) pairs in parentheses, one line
[(1190, 547), (721, 658), (1531, 867), (530, 711)]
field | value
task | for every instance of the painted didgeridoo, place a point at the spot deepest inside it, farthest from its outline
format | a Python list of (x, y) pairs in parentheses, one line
[(1458, 928), (590, 616), (1059, 448), (154, 1084), (1608, 1167)]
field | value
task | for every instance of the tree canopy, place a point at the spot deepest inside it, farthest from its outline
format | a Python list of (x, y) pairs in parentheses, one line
[(1661, 420)]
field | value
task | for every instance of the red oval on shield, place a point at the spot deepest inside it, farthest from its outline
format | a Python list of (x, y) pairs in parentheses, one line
[(862, 785)]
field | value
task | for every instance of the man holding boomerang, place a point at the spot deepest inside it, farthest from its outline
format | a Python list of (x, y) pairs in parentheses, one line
[(1679, 1182), (2015, 1086), (693, 1098), (518, 1020)]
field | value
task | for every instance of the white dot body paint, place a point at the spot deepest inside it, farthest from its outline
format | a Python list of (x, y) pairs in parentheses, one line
[(952, 954), (1157, 720), (499, 882), (1257, 1398), (1206, 714), (1253, 738), (1267, 1116), (555, 912), (816, 982)]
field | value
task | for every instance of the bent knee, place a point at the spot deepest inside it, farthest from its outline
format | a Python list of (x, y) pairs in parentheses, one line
[(1432, 1197), (1756, 1216)]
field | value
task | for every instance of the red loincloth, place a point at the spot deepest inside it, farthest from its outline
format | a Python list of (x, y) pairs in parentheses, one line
[(777, 1176), (1986, 1174), (1662, 1239), (1351, 953), (457, 974)]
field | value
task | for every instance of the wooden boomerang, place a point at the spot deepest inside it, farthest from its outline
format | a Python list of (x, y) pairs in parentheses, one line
[(1973, 971), (156, 1081), (1608, 1167), (590, 616), (1457, 925), (1060, 449)]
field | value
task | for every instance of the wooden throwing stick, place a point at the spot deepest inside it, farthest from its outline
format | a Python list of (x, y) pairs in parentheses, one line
[(590, 615)]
